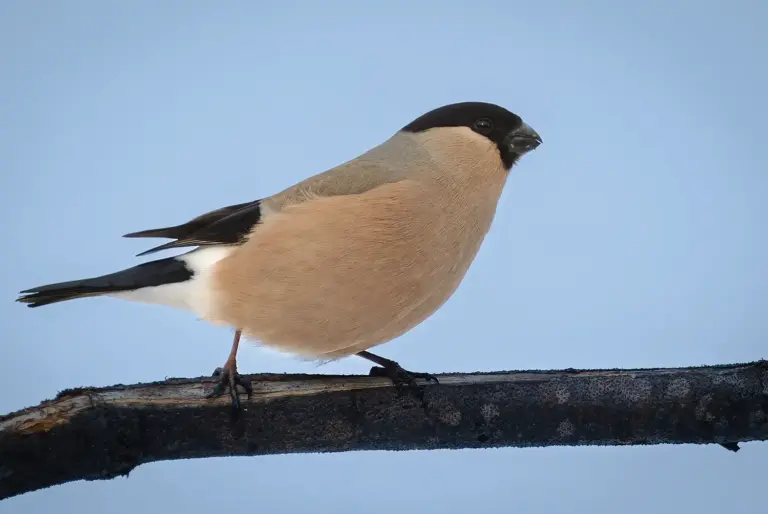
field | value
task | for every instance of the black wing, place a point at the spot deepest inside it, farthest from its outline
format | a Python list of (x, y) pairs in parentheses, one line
[(228, 225)]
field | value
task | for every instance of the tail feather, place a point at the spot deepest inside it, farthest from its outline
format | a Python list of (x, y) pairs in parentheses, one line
[(148, 274)]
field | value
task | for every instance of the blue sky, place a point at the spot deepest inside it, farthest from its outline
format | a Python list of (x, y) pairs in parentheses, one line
[(634, 236)]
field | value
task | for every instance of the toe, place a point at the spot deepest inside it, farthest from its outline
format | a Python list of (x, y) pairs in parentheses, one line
[(410, 381), (216, 390), (401, 377), (235, 399), (428, 377), (246, 385), (378, 371)]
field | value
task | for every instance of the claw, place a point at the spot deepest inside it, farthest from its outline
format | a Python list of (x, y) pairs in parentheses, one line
[(229, 379), (401, 377)]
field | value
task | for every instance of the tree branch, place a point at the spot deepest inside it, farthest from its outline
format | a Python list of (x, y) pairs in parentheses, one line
[(101, 433)]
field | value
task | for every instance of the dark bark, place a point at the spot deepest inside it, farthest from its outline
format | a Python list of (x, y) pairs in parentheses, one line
[(91, 433)]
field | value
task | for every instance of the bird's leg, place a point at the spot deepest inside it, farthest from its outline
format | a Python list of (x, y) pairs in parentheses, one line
[(229, 378), (394, 371)]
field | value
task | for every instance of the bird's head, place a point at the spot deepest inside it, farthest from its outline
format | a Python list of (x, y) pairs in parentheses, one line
[(506, 130)]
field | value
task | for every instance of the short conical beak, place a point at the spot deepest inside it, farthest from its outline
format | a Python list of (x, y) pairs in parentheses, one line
[(523, 139)]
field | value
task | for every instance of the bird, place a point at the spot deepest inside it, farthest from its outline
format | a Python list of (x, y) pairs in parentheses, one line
[(343, 261)]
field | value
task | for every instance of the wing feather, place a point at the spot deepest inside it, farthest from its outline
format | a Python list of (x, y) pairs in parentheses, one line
[(228, 225), (232, 224)]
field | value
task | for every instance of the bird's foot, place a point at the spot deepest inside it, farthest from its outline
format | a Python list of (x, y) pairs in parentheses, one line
[(399, 376), (229, 379)]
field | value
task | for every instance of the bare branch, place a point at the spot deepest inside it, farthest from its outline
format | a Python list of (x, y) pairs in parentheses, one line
[(101, 433)]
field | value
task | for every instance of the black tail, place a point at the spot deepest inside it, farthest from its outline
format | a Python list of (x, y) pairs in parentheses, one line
[(148, 274)]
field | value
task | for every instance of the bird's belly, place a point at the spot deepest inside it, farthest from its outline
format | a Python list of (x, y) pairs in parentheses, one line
[(344, 322), (325, 289), (337, 306)]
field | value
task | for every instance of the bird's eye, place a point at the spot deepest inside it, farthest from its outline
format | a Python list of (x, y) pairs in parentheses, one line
[(484, 126)]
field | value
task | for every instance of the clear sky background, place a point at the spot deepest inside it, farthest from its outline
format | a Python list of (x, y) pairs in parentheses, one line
[(634, 236)]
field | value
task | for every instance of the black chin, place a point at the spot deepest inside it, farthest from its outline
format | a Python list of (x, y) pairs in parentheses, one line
[(509, 157)]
